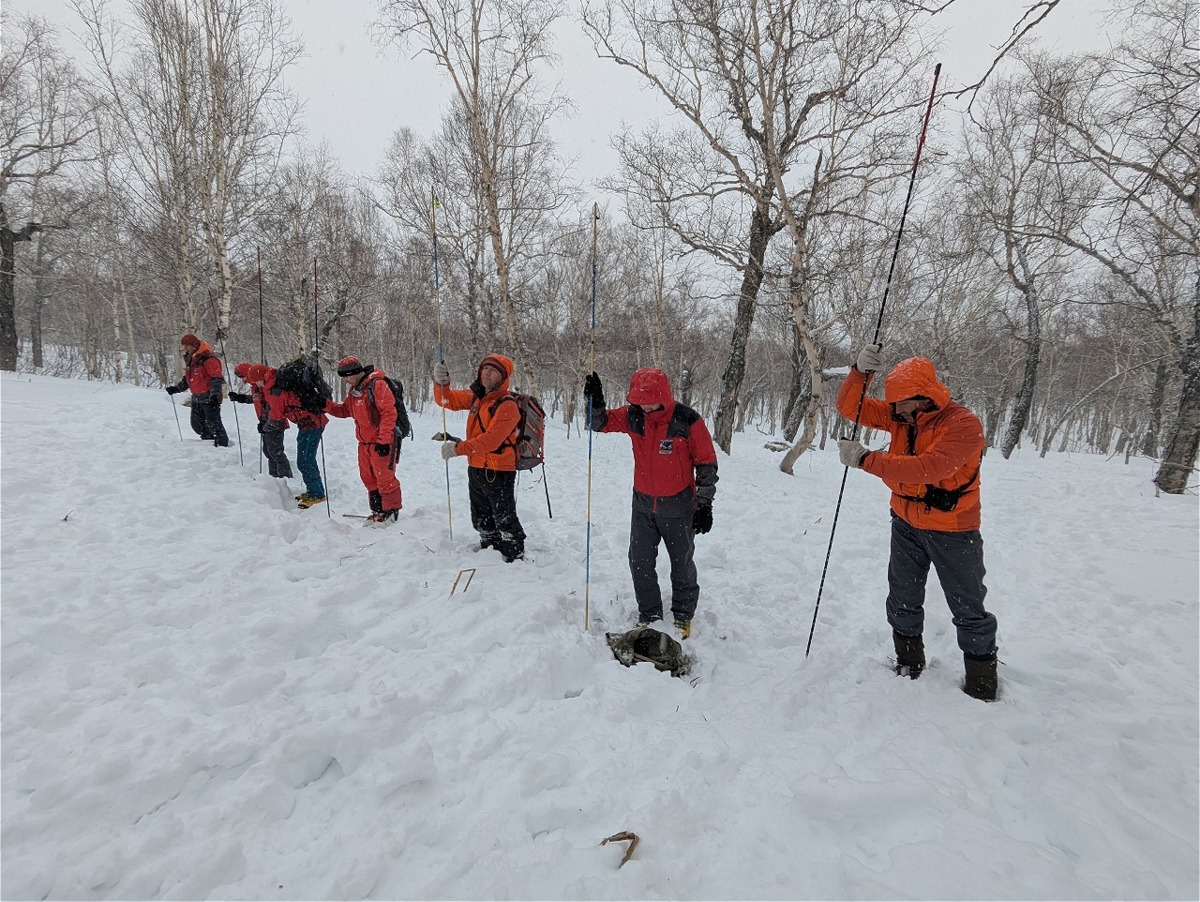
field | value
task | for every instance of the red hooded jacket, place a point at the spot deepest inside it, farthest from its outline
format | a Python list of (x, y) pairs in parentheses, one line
[(274, 400), (943, 448), (672, 449), (203, 374)]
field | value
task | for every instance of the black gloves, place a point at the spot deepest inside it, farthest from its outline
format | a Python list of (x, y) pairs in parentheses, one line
[(260, 427), (593, 390), (240, 398), (702, 519), (173, 389), (383, 450)]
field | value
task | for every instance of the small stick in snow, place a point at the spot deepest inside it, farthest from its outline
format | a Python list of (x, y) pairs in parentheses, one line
[(632, 838), (67, 514)]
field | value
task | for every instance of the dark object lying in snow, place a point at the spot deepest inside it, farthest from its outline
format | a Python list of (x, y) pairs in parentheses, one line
[(644, 643)]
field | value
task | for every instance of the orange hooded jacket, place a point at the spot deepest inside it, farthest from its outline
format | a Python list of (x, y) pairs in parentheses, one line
[(943, 448), (491, 425)]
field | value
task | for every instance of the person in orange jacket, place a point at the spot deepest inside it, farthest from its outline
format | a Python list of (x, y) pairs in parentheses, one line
[(270, 403), (204, 379), (932, 467), (490, 450), (372, 406)]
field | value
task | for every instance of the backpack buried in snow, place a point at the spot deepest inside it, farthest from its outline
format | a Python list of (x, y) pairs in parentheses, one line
[(403, 428), (530, 442), (644, 643), (304, 379)]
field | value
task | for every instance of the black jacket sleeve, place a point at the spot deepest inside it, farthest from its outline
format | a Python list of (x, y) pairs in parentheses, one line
[(706, 483)]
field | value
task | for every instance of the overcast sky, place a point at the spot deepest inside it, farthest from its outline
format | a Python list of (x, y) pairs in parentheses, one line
[(357, 94)]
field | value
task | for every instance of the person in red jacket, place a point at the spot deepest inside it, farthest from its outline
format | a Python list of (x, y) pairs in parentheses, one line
[(242, 371), (490, 450), (270, 405), (203, 378), (674, 482), (310, 427), (372, 406), (932, 468)]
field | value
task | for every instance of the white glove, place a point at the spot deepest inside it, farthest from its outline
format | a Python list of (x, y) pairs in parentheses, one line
[(441, 373), (448, 450), (851, 452), (870, 359)]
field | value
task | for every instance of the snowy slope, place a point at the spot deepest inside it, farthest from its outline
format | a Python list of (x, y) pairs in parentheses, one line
[(209, 694)]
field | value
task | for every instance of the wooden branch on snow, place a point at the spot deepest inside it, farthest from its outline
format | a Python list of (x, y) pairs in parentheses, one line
[(632, 838)]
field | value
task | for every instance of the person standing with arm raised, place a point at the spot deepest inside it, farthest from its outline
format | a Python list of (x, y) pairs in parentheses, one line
[(674, 483), (490, 449)]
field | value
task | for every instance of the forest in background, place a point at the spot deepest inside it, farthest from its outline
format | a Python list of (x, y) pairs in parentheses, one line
[(1050, 262)]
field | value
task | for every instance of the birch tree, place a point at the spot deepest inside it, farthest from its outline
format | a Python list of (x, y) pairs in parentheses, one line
[(755, 84), (412, 175), (46, 118), (1008, 183), (494, 52), (198, 88), (1132, 116)]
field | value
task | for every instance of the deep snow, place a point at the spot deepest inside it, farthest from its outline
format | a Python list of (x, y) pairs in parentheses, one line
[(210, 694)]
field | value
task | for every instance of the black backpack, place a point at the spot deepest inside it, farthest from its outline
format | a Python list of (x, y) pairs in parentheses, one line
[(404, 427), (304, 379)]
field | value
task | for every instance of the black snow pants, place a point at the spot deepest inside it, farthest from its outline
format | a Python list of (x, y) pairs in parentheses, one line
[(494, 510), (206, 421), (272, 449), (668, 521), (958, 559)]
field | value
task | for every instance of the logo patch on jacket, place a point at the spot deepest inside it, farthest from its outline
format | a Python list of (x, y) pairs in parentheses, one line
[(666, 446)]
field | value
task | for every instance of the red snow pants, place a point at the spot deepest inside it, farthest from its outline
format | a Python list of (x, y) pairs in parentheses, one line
[(379, 475)]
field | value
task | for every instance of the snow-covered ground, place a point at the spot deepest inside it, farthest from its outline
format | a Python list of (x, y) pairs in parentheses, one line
[(208, 694)]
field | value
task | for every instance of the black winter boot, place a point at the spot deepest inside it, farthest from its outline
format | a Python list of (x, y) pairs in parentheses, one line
[(981, 677), (910, 655)]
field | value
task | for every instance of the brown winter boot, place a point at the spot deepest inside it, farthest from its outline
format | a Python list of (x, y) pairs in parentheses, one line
[(981, 677), (910, 655)]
